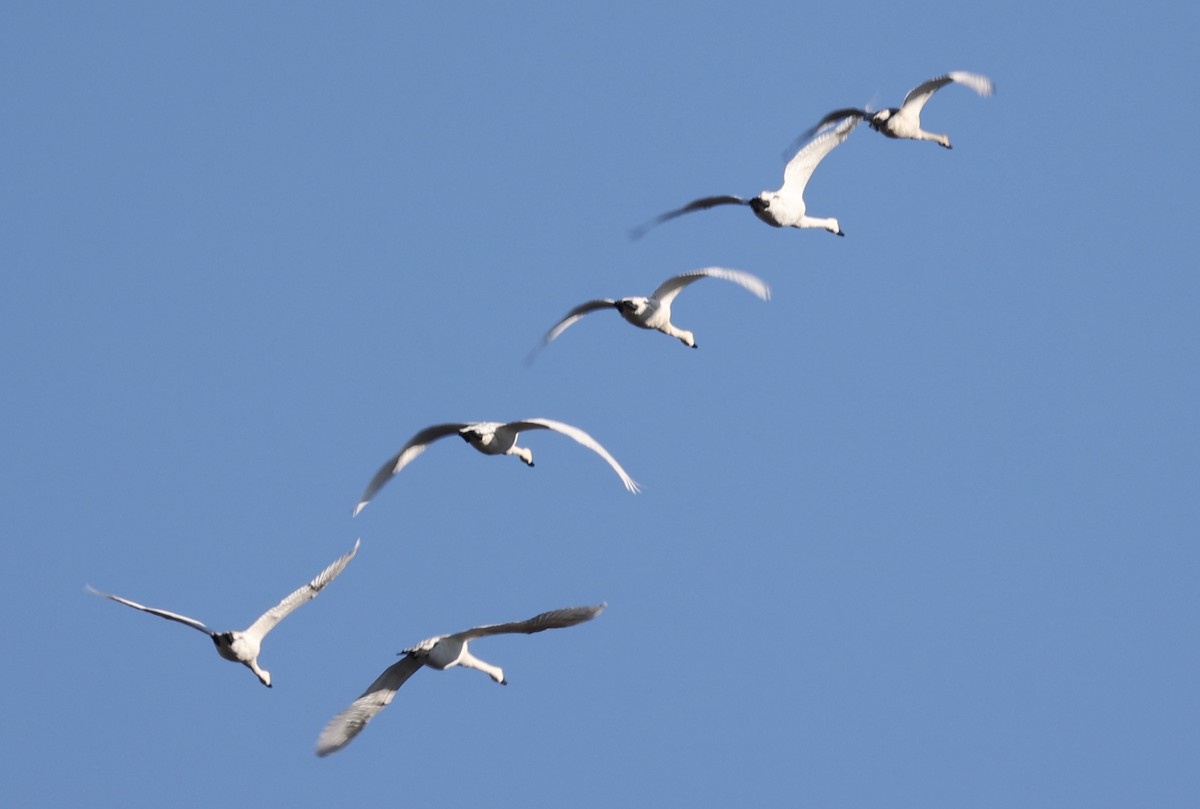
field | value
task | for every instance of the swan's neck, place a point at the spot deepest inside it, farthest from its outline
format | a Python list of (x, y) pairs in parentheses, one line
[(262, 674), (472, 662), (940, 140), (828, 223), (683, 335), (526, 455)]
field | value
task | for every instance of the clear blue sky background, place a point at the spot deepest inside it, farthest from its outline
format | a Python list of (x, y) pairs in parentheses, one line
[(920, 531)]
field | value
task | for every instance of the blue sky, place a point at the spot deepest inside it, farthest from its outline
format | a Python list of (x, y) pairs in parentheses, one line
[(920, 531)]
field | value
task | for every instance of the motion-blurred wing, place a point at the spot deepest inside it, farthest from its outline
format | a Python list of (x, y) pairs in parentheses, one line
[(576, 313), (581, 437), (800, 168), (832, 117), (669, 289), (407, 454), (702, 204), (342, 729), (917, 96)]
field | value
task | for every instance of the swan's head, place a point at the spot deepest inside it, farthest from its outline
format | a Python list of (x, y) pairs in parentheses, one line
[(687, 338), (524, 453), (264, 677), (833, 227)]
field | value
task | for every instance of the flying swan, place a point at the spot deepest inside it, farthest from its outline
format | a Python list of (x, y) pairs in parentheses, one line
[(490, 438), (243, 647), (654, 312), (905, 121), (785, 207), (441, 652)]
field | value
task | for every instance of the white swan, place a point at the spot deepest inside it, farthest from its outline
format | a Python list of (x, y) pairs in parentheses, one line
[(244, 647), (654, 312), (785, 207), (905, 121), (490, 438), (441, 652)]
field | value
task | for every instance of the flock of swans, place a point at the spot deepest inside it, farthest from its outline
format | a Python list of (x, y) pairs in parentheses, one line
[(784, 207)]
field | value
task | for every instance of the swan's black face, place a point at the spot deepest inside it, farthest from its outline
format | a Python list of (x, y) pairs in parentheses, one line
[(880, 119)]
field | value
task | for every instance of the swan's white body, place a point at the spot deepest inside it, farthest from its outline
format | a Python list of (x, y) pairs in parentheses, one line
[(441, 652), (905, 121), (785, 207), (654, 312), (244, 646), (490, 438)]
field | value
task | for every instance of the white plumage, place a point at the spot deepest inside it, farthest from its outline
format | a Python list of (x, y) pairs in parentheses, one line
[(244, 646), (440, 652), (784, 207), (490, 438), (654, 312), (905, 121)]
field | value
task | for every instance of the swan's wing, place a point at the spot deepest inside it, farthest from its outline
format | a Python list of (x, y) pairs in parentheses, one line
[(702, 204), (576, 313), (308, 592), (981, 84), (170, 616), (562, 325), (580, 436), (800, 168), (555, 619), (832, 117), (407, 454), (917, 96), (669, 289), (350, 722)]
